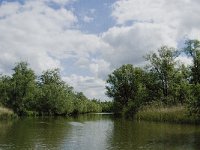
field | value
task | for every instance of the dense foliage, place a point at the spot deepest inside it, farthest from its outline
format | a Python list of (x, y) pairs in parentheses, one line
[(48, 94), (125, 86), (164, 80)]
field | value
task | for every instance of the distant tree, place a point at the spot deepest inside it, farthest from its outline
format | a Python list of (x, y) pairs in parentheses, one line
[(107, 106)]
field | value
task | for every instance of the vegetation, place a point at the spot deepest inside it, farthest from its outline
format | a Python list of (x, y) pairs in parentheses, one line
[(164, 80), (164, 113), (125, 87), (6, 113), (47, 94), (107, 106)]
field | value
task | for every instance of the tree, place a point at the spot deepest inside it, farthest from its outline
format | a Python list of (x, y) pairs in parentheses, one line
[(23, 87), (192, 49), (55, 96), (107, 106), (124, 86), (163, 65), (152, 85), (80, 103), (5, 87)]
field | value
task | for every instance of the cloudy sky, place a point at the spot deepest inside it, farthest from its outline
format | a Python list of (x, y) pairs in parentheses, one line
[(87, 39)]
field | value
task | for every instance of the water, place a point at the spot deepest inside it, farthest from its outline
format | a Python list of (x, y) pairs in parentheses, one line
[(96, 132)]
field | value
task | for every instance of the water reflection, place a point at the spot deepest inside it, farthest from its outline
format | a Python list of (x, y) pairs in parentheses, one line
[(89, 132), (96, 132), (148, 135), (34, 133), (84, 132)]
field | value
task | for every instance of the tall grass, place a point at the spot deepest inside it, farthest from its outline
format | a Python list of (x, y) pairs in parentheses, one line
[(161, 113), (6, 113)]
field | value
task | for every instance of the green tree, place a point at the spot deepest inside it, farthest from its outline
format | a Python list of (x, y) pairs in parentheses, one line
[(55, 96), (152, 85), (192, 49), (163, 65), (107, 106), (5, 89), (80, 103), (23, 87), (180, 85), (124, 86)]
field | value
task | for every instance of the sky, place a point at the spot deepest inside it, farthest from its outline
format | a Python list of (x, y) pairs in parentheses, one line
[(88, 39)]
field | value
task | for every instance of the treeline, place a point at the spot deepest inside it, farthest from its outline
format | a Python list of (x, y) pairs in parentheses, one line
[(164, 80), (47, 94)]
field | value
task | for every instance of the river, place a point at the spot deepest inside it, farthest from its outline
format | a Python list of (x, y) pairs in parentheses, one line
[(96, 132)]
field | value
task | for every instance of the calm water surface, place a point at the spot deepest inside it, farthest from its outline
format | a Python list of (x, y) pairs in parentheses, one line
[(96, 132)]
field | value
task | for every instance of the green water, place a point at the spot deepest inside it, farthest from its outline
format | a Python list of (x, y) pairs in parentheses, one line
[(96, 132)]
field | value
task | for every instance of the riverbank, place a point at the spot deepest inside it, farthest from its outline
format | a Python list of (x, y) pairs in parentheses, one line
[(6, 113), (174, 114), (154, 112)]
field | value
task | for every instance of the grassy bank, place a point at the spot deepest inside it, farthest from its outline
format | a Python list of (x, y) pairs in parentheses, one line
[(6, 113), (174, 114)]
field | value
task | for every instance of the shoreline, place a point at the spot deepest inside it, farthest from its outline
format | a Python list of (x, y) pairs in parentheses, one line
[(175, 114)]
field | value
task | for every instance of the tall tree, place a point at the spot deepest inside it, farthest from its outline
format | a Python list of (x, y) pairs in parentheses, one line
[(23, 87), (163, 64), (123, 86), (5, 87), (192, 49), (55, 96)]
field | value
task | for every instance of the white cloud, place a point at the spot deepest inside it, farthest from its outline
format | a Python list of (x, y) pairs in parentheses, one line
[(130, 44), (42, 35), (100, 68), (184, 59), (9, 8), (27, 32), (143, 26), (87, 19), (181, 15), (91, 86)]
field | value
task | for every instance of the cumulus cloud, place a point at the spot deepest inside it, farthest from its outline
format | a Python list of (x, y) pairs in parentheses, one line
[(28, 30), (143, 26), (100, 68), (131, 43), (42, 35), (181, 15), (93, 87)]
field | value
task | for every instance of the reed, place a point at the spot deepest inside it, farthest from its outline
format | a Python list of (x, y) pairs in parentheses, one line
[(6, 113), (176, 114)]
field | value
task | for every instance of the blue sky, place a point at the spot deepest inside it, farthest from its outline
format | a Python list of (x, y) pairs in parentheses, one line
[(99, 10), (88, 39)]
